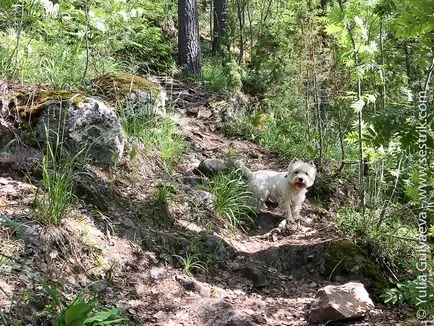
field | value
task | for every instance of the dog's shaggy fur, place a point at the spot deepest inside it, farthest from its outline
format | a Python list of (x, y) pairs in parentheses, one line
[(287, 189)]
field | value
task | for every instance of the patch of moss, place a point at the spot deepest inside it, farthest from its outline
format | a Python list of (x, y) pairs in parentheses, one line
[(30, 105), (115, 85), (345, 259)]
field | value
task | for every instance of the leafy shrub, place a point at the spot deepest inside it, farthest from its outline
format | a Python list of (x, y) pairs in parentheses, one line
[(214, 75), (418, 293), (148, 49)]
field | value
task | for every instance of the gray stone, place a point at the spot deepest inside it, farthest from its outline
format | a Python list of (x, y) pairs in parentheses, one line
[(338, 302), (212, 166), (7, 133), (191, 285), (158, 273), (128, 223), (216, 245), (143, 104), (256, 273), (84, 124), (216, 312)]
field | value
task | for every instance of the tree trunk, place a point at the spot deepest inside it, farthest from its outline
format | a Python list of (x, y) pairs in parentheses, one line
[(220, 25), (241, 21), (188, 38)]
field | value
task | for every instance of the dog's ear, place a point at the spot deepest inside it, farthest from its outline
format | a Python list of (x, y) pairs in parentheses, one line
[(294, 160), (291, 163), (312, 163)]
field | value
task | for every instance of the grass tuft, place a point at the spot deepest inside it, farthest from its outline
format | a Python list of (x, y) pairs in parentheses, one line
[(57, 178), (231, 199)]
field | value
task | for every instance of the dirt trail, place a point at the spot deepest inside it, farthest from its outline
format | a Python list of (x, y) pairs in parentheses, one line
[(114, 246)]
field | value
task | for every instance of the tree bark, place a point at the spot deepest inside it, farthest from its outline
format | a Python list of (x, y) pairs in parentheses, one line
[(188, 38), (220, 25)]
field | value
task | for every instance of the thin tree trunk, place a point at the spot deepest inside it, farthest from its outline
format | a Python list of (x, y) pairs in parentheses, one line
[(307, 105), (383, 82), (318, 114), (17, 44), (407, 63), (341, 141), (240, 15), (86, 38), (387, 203)]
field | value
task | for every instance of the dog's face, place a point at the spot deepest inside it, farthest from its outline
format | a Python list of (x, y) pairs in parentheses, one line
[(301, 174)]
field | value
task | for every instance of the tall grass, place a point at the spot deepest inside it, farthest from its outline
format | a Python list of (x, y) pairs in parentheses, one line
[(231, 199), (59, 64), (153, 133), (57, 178), (214, 76)]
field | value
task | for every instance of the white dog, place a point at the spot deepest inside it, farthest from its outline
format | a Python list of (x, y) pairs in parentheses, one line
[(287, 189)]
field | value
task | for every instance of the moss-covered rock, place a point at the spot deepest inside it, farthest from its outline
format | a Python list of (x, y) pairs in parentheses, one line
[(121, 83), (28, 106), (137, 95), (81, 123), (345, 261)]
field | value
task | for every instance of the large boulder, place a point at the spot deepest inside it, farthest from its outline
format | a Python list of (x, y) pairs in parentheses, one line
[(83, 123), (338, 302)]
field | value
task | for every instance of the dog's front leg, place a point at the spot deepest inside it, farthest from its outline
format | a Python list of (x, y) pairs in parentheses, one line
[(289, 220)]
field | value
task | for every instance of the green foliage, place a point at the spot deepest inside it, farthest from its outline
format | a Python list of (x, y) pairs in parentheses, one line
[(57, 178), (231, 199), (78, 313), (417, 292), (218, 76), (389, 242), (163, 194), (68, 43), (271, 131), (147, 49)]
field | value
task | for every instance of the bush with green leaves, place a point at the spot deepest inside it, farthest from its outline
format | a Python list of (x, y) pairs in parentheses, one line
[(419, 293), (68, 43), (232, 200)]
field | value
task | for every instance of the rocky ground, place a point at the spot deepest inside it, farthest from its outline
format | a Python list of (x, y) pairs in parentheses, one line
[(122, 245)]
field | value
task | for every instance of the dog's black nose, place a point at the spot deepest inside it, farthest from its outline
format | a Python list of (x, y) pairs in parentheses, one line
[(300, 179)]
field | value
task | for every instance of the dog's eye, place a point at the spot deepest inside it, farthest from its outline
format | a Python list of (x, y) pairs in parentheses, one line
[(296, 172), (307, 173)]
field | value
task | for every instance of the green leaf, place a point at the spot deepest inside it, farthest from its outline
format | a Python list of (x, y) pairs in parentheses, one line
[(109, 317)]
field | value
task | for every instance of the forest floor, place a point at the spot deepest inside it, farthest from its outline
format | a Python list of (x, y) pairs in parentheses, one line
[(119, 243)]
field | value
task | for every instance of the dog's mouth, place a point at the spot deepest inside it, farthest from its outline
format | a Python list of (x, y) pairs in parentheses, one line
[(300, 185)]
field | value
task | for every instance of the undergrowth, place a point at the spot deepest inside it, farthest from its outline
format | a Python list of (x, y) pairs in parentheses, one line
[(390, 242), (232, 200), (57, 197), (154, 133)]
